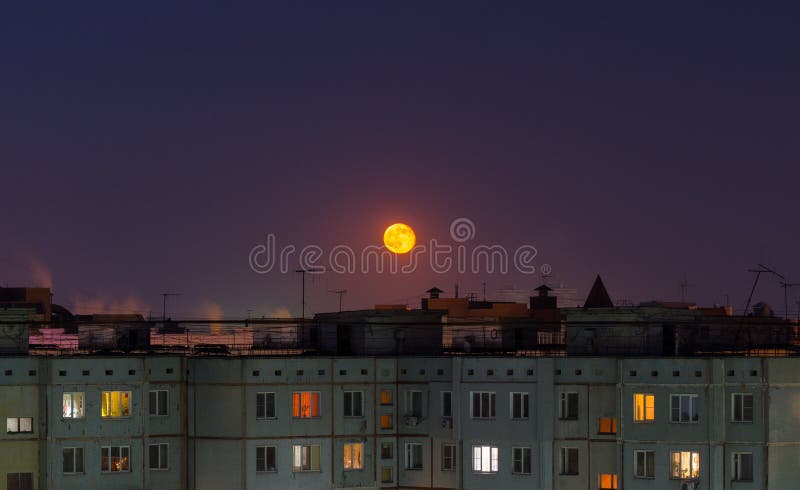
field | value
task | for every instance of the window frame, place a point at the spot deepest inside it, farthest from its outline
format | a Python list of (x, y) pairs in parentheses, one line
[(478, 459), (692, 473), (451, 458), (409, 398), (18, 475), (525, 406), (742, 404), (111, 394), (267, 449), (492, 405), (694, 402), (298, 414), (645, 466), (163, 448), (265, 395), (736, 466), (409, 456), (109, 469), (353, 466), (390, 471), (612, 423), (156, 413), (72, 404), (352, 404), (75, 450), (18, 424), (564, 411), (614, 481), (644, 418), (386, 397), (565, 466), (311, 461), (446, 394), (522, 459)]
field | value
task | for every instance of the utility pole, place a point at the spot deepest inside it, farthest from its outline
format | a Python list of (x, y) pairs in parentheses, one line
[(340, 292), (164, 307), (303, 294), (484, 291)]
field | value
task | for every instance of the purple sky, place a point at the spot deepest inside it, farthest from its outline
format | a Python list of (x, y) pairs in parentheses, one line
[(148, 148)]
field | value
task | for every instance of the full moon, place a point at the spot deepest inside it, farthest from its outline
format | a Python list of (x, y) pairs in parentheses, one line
[(399, 238)]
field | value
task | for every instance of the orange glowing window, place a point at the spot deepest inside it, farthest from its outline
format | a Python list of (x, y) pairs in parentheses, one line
[(608, 481), (305, 404), (386, 421), (607, 425), (386, 397), (115, 404), (643, 407)]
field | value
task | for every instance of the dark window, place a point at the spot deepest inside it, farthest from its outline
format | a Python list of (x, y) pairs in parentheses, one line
[(158, 402), (447, 404), (353, 405), (265, 405), (265, 459), (569, 461), (72, 460), (159, 456), (568, 409), (19, 481)]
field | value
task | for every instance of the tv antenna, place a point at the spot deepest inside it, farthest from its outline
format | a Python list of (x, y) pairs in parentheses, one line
[(340, 292), (164, 304), (787, 286), (685, 288), (761, 269), (303, 294)]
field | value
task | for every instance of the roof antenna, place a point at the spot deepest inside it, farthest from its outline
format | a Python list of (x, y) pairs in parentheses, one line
[(762, 268), (340, 292), (164, 307), (684, 288)]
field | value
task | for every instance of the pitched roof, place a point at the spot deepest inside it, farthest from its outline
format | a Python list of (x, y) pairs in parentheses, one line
[(598, 296)]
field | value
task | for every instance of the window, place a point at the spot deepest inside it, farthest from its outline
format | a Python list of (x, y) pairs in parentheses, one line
[(353, 404), (742, 466), (19, 481), (354, 456), (483, 404), (159, 456), (644, 464), (158, 403), (265, 459), (684, 464), (644, 407), (386, 474), (448, 457), (265, 406), (607, 425), (386, 397), (305, 404), (305, 457), (115, 404), (607, 481), (519, 406), (16, 425), (568, 406), (386, 421), (414, 403), (521, 460), (413, 456), (72, 460), (684, 408), (72, 405), (386, 450), (484, 459), (447, 404), (742, 407), (114, 459), (569, 461)]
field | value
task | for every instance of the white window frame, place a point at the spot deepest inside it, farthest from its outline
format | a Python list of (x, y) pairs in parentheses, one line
[(692, 399), (73, 413), (163, 450), (110, 468), (645, 466), (564, 405), (312, 466), (448, 460), (742, 397), (523, 455), (266, 449), (492, 395), (410, 403), (614, 481), (644, 419), (691, 464), (736, 466), (485, 459), (156, 411), (524, 408), (310, 409), (265, 396), (74, 457), (353, 465), (411, 449), (445, 394), (565, 461), (117, 417), (14, 425), (353, 406)]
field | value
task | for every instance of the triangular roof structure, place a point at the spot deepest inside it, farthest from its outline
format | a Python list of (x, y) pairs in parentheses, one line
[(598, 296)]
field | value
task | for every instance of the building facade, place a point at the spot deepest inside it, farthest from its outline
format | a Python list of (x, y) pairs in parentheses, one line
[(471, 422)]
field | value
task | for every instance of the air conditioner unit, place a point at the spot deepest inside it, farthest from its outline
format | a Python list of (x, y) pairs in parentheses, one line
[(411, 421), (447, 423)]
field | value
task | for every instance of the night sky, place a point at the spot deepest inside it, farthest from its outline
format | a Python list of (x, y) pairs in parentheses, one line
[(148, 147)]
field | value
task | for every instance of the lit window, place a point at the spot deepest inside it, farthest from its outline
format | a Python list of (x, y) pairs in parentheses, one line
[(386, 421), (72, 460), (742, 407), (386, 450), (519, 406), (448, 457), (568, 406), (114, 459), (305, 404), (414, 403), (353, 404), (484, 459), (16, 425), (684, 464), (265, 459), (72, 405), (386, 474), (115, 404), (159, 456), (684, 408), (447, 404), (521, 460), (742, 466), (305, 457), (607, 425), (483, 404), (569, 461), (354, 456), (386, 397), (644, 407), (265, 406), (413, 456), (158, 403), (607, 481), (644, 464), (19, 481)]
